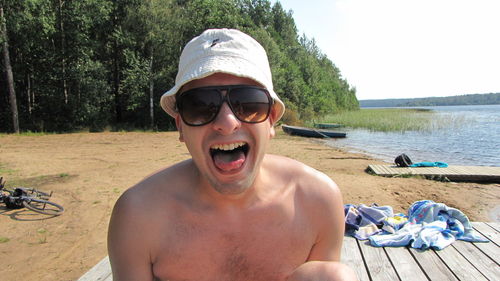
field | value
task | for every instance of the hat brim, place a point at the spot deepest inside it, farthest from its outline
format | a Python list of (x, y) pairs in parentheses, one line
[(234, 65)]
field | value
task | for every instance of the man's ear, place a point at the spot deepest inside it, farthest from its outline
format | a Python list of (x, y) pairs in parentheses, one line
[(273, 116), (178, 124)]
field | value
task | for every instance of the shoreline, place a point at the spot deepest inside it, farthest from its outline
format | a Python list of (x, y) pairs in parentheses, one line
[(88, 172)]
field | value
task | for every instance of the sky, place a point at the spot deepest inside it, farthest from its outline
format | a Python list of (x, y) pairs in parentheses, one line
[(407, 48)]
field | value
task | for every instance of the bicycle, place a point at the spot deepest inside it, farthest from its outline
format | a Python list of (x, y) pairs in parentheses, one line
[(30, 198)]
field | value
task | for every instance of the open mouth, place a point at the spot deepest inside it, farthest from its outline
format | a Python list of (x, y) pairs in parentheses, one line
[(229, 157)]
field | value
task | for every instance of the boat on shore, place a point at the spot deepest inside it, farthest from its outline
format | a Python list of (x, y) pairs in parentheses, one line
[(327, 125), (311, 132)]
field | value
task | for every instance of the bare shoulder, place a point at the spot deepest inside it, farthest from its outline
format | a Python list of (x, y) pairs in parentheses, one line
[(140, 215), (153, 193), (155, 197), (308, 181)]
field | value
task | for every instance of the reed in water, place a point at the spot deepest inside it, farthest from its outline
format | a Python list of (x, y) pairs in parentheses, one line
[(395, 119)]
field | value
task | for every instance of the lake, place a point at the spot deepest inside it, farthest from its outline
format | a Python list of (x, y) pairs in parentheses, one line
[(476, 142)]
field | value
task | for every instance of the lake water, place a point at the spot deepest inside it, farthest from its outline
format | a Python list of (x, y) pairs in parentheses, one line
[(476, 142)]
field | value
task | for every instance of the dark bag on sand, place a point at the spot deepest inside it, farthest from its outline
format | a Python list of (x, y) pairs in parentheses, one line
[(403, 160)]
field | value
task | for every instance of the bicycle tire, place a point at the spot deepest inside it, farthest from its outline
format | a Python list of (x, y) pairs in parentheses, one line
[(43, 206)]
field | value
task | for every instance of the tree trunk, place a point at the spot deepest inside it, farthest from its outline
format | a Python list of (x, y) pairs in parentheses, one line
[(116, 83), (63, 51), (28, 91), (151, 91), (10, 76)]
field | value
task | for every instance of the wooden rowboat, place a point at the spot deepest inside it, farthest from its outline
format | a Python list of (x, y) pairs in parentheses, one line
[(311, 133), (327, 125)]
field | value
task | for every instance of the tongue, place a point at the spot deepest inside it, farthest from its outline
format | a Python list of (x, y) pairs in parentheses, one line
[(228, 161)]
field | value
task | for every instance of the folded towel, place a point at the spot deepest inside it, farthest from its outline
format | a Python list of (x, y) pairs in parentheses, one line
[(429, 164)]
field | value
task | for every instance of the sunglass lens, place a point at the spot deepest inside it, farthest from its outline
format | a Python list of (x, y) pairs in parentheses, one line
[(199, 106), (250, 104)]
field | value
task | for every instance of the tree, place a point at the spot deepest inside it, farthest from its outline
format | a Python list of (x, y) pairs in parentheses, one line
[(99, 63), (8, 70)]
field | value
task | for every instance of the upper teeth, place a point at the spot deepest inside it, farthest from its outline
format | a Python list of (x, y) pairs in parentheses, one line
[(229, 146)]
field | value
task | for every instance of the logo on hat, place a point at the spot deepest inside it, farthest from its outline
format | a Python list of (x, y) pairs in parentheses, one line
[(214, 42)]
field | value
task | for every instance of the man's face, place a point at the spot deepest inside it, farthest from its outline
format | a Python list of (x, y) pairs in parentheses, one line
[(227, 152)]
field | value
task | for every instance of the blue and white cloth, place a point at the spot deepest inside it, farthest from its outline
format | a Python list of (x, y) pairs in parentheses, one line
[(363, 221), (430, 225), (429, 164)]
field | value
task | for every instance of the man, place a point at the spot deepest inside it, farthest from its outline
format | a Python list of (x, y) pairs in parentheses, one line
[(232, 212)]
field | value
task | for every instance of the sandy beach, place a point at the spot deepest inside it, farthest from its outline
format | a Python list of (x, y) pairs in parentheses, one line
[(88, 171)]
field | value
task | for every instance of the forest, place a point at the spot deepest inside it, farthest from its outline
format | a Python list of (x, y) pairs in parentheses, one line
[(104, 64), (472, 99)]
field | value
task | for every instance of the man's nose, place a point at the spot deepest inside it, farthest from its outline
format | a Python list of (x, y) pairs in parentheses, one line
[(226, 122)]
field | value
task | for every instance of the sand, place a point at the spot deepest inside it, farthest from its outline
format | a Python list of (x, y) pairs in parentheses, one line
[(88, 171)]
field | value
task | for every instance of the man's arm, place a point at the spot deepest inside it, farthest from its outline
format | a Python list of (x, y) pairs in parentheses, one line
[(328, 215), (323, 263), (128, 244)]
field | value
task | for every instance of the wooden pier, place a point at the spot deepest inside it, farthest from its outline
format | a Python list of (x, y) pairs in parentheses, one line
[(453, 173), (459, 261)]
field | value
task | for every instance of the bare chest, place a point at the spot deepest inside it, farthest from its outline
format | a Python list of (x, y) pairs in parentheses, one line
[(258, 248)]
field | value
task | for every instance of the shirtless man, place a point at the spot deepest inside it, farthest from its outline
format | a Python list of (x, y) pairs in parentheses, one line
[(232, 212)]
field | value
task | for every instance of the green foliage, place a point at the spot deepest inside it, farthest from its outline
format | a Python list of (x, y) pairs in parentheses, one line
[(395, 120), (93, 64), (474, 99)]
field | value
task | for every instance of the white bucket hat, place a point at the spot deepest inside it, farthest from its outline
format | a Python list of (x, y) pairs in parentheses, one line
[(226, 51)]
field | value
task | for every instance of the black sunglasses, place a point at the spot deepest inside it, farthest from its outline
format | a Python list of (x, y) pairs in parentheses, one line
[(200, 106)]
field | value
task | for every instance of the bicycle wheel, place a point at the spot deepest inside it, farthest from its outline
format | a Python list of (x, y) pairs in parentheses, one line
[(43, 206)]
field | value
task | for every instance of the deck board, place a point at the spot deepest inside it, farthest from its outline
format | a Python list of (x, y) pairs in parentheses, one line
[(405, 265), (377, 263), (432, 265), (453, 173), (476, 257), (352, 256), (460, 261), (459, 265), (100, 272)]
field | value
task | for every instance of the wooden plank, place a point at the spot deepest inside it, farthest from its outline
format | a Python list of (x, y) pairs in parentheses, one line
[(100, 272), (472, 173), (477, 258), (488, 231), (432, 265), (378, 264), (460, 266), (489, 249), (494, 225), (352, 257), (404, 264)]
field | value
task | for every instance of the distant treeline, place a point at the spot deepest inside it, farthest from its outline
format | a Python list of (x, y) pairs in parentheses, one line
[(100, 64), (474, 99)]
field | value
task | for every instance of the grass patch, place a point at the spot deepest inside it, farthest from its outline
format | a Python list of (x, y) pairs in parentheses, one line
[(27, 133), (41, 231), (31, 134), (4, 239), (394, 119), (6, 171), (36, 182)]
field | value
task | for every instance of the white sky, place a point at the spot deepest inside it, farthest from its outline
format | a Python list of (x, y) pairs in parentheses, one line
[(407, 48)]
